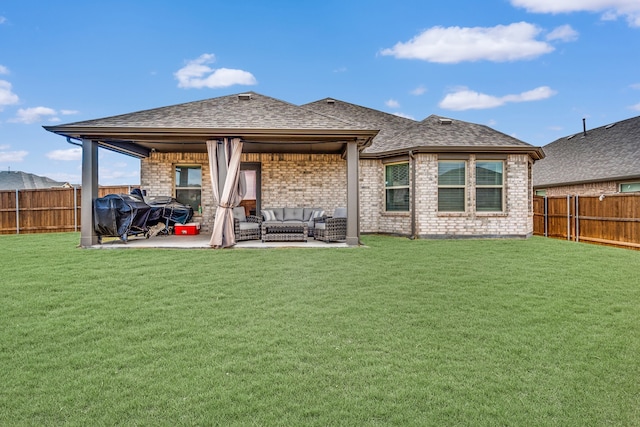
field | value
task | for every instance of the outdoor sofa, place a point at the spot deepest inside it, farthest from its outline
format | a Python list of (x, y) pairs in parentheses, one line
[(289, 223)]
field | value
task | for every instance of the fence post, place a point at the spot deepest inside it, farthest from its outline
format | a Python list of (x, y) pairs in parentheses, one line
[(568, 217), (577, 219), (75, 208), (546, 217), (17, 212)]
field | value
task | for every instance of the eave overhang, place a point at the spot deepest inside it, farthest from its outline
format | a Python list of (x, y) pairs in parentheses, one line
[(140, 142), (536, 153)]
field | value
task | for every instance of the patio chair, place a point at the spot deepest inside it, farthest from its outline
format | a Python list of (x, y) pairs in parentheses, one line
[(246, 227), (331, 228)]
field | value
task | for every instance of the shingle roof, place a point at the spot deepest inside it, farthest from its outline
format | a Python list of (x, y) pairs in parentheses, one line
[(389, 125), (16, 180), (254, 111), (609, 152), (399, 133)]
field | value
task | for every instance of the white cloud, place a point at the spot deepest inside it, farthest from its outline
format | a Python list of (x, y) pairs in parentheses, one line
[(635, 86), (465, 99), (340, 70), (635, 107), (196, 74), (68, 154), (4, 147), (563, 33), (419, 90), (457, 44), (4, 70), (34, 115), (7, 97), (392, 103), (610, 9), (406, 116), (12, 156), (68, 112), (3, 19)]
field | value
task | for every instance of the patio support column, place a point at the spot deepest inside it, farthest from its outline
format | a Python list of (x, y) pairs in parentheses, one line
[(88, 236), (353, 195)]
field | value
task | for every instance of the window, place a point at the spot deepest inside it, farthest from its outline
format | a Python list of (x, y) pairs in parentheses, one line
[(629, 187), (452, 176), (396, 186), (189, 186), (489, 185)]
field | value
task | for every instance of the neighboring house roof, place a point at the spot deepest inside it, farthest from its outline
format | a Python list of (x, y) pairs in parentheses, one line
[(16, 180), (433, 134), (256, 118), (607, 153)]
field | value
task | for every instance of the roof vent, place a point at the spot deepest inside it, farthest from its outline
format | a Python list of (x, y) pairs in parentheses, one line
[(244, 96), (610, 126), (444, 121), (331, 101), (571, 136)]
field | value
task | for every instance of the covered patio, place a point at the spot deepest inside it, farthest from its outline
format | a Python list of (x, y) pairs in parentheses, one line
[(264, 126)]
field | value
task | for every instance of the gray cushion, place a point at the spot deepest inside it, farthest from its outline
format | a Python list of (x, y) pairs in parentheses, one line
[(293, 214), (238, 213), (321, 225), (279, 213), (340, 213), (249, 226), (268, 215), (307, 213)]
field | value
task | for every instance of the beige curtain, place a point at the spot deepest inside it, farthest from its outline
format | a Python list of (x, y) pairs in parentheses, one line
[(224, 166)]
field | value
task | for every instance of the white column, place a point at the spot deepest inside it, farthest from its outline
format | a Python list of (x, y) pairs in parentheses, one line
[(88, 236), (353, 195)]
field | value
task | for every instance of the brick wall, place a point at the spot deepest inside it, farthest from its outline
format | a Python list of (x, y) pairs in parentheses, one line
[(517, 220), (302, 180)]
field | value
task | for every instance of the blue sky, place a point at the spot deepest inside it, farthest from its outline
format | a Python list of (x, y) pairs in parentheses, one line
[(529, 68)]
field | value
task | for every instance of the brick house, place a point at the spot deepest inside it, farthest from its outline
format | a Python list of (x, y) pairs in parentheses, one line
[(600, 161), (436, 178)]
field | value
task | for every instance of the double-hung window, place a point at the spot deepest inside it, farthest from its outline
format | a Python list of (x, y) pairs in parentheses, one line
[(189, 186), (397, 187), (452, 177), (489, 186)]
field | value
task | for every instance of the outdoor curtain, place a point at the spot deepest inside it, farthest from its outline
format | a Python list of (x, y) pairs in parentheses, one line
[(224, 166)]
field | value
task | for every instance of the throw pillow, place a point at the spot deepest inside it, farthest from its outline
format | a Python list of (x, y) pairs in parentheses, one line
[(268, 215)]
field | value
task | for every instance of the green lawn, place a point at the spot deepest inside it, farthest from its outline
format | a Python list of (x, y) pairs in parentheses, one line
[(531, 332)]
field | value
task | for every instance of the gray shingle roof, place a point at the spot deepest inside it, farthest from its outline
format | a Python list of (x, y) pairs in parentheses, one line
[(236, 112), (605, 153), (389, 125), (399, 133), (16, 180), (225, 112)]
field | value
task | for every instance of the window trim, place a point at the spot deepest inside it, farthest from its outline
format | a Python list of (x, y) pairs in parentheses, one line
[(481, 186), (176, 187), (465, 186), (397, 187)]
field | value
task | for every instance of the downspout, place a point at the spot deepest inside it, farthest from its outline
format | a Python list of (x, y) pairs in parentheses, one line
[(413, 195)]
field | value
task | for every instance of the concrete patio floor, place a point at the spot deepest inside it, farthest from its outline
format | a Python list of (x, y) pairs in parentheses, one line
[(201, 241)]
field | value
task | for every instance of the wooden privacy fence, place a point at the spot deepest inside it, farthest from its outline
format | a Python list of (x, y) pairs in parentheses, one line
[(45, 210), (609, 220)]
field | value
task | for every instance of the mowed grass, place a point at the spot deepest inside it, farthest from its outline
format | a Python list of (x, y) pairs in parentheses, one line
[(474, 332)]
